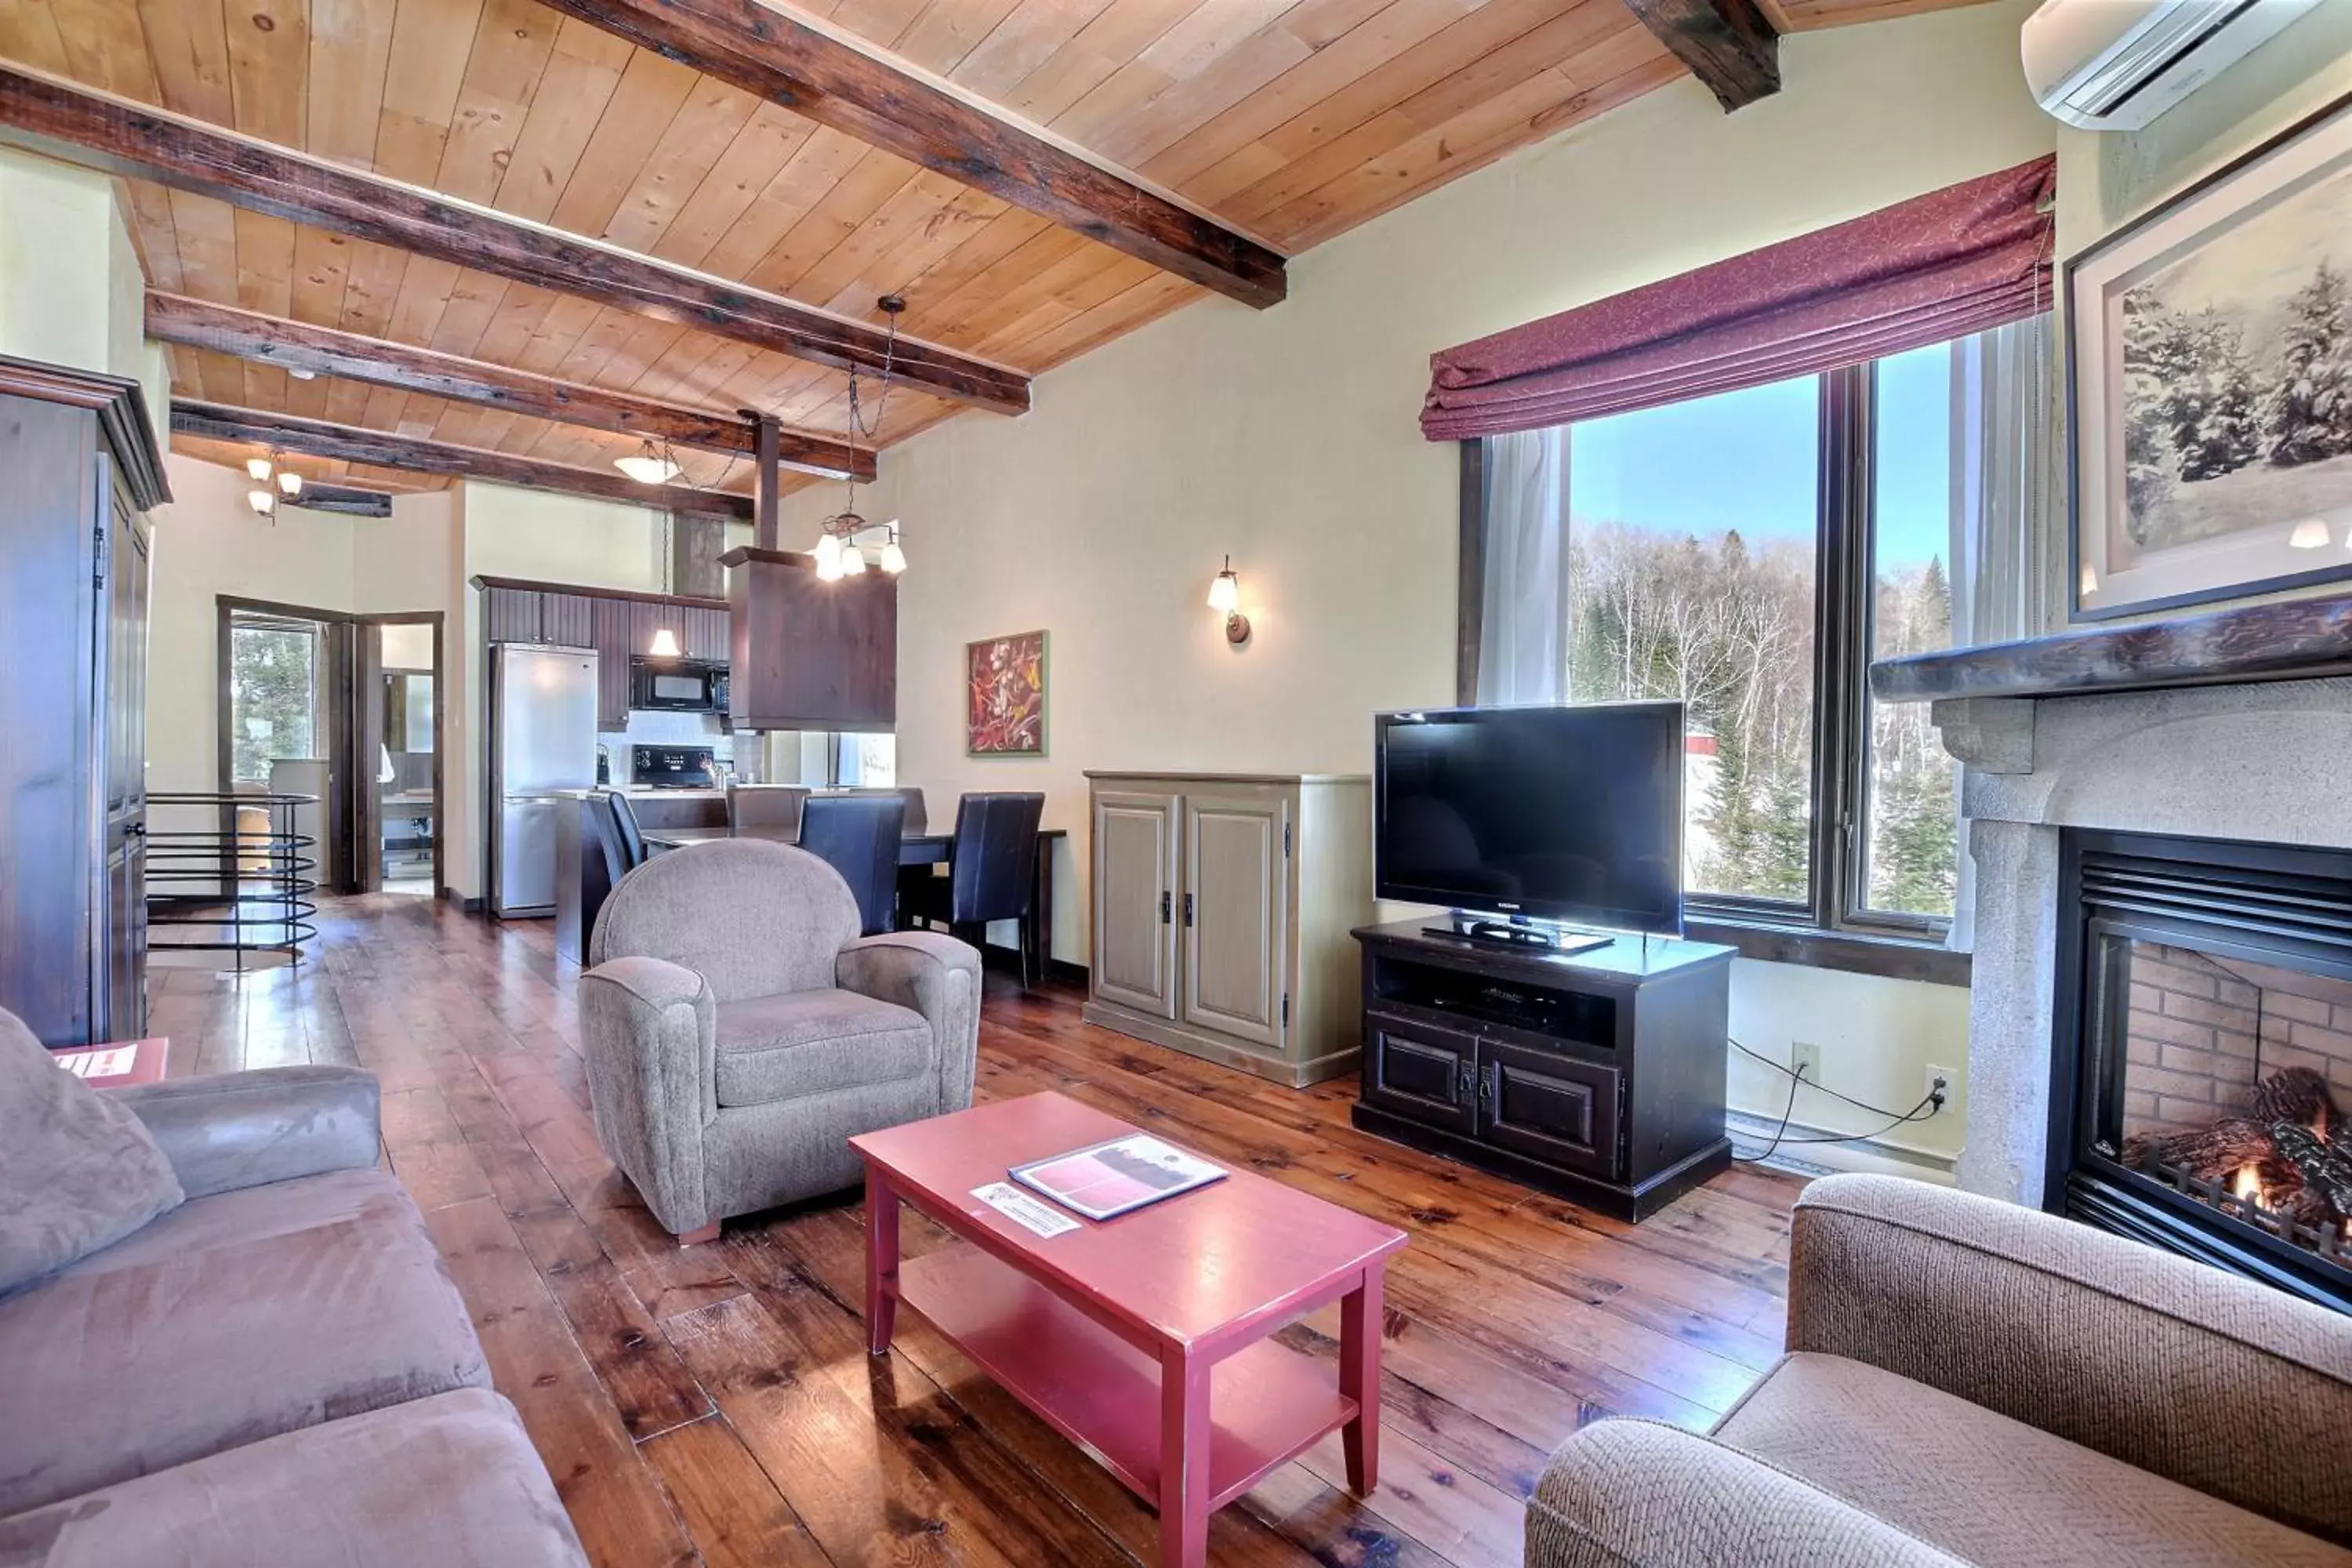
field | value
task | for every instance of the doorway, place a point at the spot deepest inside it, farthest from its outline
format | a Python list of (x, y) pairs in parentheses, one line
[(348, 710)]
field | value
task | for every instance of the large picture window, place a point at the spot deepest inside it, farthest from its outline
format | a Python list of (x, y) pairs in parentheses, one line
[(1751, 554), (273, 689)]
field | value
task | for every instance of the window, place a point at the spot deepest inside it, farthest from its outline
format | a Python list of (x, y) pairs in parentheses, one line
[(273, 694), (1752, 553)]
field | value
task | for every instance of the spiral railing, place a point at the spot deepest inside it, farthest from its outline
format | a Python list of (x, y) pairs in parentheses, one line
[(229, 873)]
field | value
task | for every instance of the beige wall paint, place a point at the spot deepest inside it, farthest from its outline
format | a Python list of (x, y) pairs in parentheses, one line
[(1288, 438), (71, 291)]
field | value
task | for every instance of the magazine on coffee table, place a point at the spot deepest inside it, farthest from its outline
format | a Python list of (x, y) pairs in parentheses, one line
[(1107, 1180)]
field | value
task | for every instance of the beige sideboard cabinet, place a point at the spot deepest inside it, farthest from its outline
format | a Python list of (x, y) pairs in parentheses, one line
[(1222, 908)]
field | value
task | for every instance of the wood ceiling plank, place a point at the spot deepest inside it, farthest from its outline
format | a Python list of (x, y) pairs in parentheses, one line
[(857, 196), (121, 137), (815, 168), (927, 297), (947, 30), (879, 20), (784, 60), (575, 89), (151, 209), (269, 68), (351, 444), (1024, 41), (29, 32), (1215, 29), (512, 43), (1079, 293), (350, 51), (475, 301), (371, 286), (187, 46), (713, 115), (1730, 44), (651, 92), (106, 44), (760, 151), (1122, 31), (520, 315), (1147, 302), (208, 234), (322, 268), (265, 262), (930, 213), (425, 70)]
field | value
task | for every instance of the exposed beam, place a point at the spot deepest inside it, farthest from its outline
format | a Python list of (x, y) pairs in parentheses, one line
[(297, 345), (1730, 44), (773, 55), (101, 131), (382, 449), (320, 496)]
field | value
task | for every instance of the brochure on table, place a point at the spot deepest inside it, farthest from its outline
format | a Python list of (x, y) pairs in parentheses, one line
[(1107, 1180)]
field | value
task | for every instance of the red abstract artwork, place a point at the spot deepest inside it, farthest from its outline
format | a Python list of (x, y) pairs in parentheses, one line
[(1004, 696)]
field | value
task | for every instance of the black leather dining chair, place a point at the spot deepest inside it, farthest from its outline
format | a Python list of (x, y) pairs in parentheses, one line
[(606, 823), (992, 874), (764, 806), (625, 827), (858, 835)]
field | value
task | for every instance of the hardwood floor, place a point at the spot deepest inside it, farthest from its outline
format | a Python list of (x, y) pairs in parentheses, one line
[(716, 1404)]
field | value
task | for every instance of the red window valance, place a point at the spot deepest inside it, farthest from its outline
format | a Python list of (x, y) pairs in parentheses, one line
[(1958, 260)]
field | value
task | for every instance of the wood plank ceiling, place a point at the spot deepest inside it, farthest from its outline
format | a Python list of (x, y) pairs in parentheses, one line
[(1289, 120)]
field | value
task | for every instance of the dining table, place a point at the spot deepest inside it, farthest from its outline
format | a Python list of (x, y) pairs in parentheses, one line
[(914, 849)]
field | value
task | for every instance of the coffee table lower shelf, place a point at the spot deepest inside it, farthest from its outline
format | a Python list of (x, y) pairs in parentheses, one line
[(1267, 1403)]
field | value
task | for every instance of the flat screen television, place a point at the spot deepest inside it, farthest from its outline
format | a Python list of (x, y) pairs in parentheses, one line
[(1570, 814)]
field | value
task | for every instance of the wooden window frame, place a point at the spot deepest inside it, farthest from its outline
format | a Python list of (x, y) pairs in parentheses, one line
[(1833, 926)]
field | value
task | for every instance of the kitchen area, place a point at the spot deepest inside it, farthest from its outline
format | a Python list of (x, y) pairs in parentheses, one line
[(591, 690)]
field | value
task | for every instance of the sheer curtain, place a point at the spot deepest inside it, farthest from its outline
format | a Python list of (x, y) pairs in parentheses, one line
[(2004, 508), (1523, 632)]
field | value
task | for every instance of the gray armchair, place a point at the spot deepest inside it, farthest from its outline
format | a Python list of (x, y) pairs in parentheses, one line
[(739, 1032)]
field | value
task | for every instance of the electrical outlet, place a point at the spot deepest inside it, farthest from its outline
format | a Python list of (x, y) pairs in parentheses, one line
[(1805, 1060), (1934, 1081)]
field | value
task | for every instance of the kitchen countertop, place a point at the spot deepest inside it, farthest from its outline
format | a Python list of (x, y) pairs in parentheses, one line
[(638, 792)]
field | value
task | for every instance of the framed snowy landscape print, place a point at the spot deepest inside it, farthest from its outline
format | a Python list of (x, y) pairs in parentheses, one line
[(2209, 373)]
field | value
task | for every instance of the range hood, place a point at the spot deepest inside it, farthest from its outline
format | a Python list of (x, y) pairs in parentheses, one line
[(808, 654)]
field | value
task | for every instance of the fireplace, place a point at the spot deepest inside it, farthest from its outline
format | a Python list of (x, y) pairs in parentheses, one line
[(2201, 1089)]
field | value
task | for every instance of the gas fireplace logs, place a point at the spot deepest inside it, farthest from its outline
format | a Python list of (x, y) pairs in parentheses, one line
[(2289, 1156)]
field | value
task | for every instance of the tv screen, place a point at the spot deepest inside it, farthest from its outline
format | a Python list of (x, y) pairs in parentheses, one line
[(1572, 815)]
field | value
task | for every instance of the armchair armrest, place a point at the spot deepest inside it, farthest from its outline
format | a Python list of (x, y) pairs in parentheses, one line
[(2207, 1379), (649, 1030), (937, 976), (270, 1124), (1623, 1493)]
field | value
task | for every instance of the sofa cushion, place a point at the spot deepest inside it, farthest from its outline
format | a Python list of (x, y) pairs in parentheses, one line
[(1984, 1486), (78, 1171), (451, 1481), (230, 1319), (811, 1042)]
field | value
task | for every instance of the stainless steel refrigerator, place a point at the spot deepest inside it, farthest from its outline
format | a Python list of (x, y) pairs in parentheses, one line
[(542, 738)]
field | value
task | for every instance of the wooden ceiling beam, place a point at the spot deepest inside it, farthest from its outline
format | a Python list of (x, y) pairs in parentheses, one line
[(346, 501), (1730, 44), (323, 350), (318, 438), (775, 55), (120, 137)]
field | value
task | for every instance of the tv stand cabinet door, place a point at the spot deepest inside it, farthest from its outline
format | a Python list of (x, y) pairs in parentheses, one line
[(1135, 900), (1234, 914), (1553, 1108), (1422, 1071)]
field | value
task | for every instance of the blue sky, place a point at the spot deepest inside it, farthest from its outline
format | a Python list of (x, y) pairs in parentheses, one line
[(1746, 460)]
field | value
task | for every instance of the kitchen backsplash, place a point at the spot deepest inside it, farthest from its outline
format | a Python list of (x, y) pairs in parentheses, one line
[(653, 727)]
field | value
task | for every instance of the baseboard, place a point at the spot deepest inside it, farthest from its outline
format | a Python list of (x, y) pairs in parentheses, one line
[(1873, 1155), (465, 905)]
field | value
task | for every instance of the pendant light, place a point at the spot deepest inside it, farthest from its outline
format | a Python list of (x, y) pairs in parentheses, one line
[(894, 560), (664, 644), (650, 465), (838, 553), (290, 483)]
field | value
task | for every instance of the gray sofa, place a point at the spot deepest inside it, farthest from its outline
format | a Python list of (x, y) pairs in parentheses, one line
[(1969, 1382), (738, 1031), (275, 1371)]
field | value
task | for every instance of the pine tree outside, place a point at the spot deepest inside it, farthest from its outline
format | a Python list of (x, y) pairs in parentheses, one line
[(273, 696)]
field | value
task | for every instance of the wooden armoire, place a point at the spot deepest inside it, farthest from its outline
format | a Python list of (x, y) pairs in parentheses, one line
[(83, 469)]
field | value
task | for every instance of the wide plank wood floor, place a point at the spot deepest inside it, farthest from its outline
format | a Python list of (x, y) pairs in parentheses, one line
[(716, 1404)]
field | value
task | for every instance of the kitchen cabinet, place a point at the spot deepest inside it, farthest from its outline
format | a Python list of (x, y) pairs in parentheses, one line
[(705, 634), (619, 625), (511, 614), (84, 468), (608, 634), (567, 620), (1221, 908)]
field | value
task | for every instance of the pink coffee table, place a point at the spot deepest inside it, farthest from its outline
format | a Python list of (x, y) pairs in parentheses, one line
[(1145, 1338)]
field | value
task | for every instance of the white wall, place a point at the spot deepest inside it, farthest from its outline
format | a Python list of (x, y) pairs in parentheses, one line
[(1288, 438), (71, 293)]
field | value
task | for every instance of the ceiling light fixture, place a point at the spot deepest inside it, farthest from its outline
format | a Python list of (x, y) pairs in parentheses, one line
[(258, 468), (2311, 533), (838, 553), (262, 503), (664, 644), (290, 483), (650, 465)]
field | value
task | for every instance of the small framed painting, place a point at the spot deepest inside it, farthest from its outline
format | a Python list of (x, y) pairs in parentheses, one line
[(1004, 696), (2209, 372)]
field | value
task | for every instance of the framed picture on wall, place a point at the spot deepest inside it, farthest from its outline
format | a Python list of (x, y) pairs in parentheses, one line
[(2209, 375), (1004, 696)]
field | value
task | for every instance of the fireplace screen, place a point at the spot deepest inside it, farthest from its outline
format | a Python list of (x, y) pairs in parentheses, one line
[(2212, 1074)]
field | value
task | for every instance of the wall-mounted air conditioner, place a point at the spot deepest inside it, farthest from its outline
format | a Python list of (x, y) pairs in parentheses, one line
[(2115, 65)]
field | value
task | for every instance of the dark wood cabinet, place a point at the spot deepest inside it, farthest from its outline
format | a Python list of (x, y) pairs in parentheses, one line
[(1598, 1076), (511, 614), (567, 620), (84, 468), (619, 624), (608, 634)]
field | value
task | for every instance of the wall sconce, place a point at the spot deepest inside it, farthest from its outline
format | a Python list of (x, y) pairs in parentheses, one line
[(1225, 595)]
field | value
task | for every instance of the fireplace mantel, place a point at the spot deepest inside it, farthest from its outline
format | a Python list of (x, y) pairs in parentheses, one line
[(2292, 639)]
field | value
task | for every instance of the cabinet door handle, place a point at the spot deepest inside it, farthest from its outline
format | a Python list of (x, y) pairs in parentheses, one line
[(1164, 914), (1462, 1080), (1487, 1084), (1188, 908)]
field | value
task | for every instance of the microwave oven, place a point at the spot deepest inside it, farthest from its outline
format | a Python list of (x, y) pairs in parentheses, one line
[(677, 685)]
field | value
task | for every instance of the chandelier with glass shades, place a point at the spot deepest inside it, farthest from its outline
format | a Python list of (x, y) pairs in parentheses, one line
[(841, 539), (270, 484)]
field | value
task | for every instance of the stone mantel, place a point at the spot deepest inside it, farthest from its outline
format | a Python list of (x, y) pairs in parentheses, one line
[(2291, 639), (2263, 760)]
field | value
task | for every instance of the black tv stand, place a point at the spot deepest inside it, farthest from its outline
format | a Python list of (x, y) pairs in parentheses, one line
[(1519, 932), (1598, 1075)]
